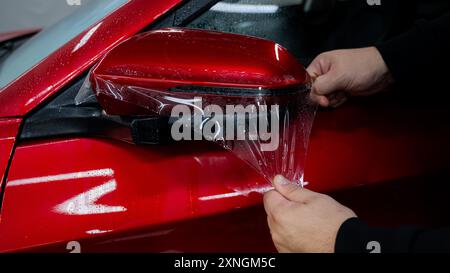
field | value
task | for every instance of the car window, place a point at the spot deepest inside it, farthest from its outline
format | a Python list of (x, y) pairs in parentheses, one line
[(53, 37), (276, 20)]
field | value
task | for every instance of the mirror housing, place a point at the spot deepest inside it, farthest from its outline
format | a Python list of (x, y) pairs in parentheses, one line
[(246, 94), (174, 59)]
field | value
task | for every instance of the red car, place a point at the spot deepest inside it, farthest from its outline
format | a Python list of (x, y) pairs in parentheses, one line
[(70, 183)]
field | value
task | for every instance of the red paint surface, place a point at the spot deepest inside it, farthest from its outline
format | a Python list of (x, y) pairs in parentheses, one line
[(363, 143), (198, 57), (142, 187), (377, 139), (65, 64), (174, 57)]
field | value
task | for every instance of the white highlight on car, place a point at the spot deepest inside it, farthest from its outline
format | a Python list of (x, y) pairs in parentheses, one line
[(85, 203), (61, 177), (277, 49), (98, 231), (263, 189), (86, 37), (244, 8), (237, 192)]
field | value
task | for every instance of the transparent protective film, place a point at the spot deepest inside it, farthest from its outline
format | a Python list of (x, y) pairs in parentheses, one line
[(277, 138), (267, 128)]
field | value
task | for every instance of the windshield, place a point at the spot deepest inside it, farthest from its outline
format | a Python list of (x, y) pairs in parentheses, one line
[(53, 37)]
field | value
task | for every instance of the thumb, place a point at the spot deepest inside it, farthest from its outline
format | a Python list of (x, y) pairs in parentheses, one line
[(291, 191), (326, 84), (314, 71), (319, 69), (321, 65), (323, 71)]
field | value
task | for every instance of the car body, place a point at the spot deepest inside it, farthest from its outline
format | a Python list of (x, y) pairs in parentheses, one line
[(108, 195)]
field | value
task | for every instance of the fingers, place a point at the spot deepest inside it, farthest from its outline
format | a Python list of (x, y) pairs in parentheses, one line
[(326, 83), (320, 65), (292, 192), (320, 70), (313, 71), (274, 201), (337, 99), (321, 100)]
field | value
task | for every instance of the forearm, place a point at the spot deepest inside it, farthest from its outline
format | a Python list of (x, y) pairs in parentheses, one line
[(420, 53), (354, 236)]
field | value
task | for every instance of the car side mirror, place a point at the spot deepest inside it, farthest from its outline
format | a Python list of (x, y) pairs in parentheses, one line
[(187, 62), (247, 94)]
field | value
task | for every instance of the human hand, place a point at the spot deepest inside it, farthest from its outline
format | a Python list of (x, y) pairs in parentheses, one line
[(339, 73), (301, 220)]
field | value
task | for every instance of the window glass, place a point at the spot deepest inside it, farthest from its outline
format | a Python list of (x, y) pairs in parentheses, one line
[(305, 27), (276, 20), (53, 37)]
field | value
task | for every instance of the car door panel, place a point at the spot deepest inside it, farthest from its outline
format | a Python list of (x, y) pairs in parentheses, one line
[(66, 190), (88, 189)]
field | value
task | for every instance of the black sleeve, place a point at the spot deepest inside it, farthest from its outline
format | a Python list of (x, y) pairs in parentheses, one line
[(354, 237), (421, 55)]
